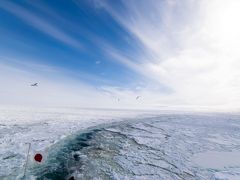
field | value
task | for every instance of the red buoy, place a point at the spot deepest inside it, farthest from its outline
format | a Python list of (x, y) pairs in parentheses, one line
[(38, 157)]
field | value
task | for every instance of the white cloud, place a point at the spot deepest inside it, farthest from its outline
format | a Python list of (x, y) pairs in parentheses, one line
[(55, 88), (98, 62), (194, 47)]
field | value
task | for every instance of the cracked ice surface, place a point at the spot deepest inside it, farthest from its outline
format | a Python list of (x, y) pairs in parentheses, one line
[(167, 146), (147, 145), (182, 147), (42, 128)]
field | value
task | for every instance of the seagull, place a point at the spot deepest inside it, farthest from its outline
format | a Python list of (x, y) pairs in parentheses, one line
[(35, 84), (138, 97)]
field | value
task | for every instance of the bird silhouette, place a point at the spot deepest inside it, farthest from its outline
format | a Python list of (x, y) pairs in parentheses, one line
[(35, 84), (138, 97)]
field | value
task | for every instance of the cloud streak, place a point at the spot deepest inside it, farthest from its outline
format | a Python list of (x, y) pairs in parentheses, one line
[(40, 24), (191, 48), (55, 88)]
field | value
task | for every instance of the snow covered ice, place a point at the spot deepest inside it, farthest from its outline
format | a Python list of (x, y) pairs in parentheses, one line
[(42, 128), (104, 144)]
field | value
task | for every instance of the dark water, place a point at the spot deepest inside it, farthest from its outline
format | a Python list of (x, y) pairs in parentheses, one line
[(60, 161)]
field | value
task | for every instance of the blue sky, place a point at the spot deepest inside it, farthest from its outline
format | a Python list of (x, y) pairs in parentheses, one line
[(92, 52), (66, 34)]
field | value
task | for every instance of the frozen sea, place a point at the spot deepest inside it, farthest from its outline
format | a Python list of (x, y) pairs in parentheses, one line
[(118, 144)]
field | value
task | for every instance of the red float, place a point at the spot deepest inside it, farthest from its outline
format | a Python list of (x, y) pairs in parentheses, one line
[(38, 157)]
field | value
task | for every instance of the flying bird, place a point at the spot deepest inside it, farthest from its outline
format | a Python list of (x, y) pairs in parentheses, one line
[(138, 97), (35, 84)]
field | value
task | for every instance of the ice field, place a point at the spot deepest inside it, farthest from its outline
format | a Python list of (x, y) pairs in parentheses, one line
[(104, 144)]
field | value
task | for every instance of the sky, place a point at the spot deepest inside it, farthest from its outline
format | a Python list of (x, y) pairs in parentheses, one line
[(103, 53)]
